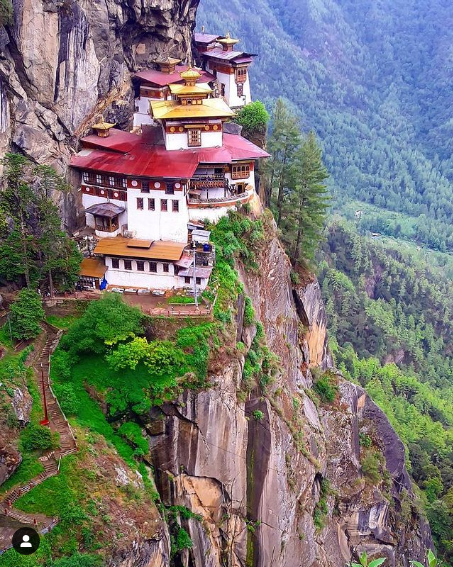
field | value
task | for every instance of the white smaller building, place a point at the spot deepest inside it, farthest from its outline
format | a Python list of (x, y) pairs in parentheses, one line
[(229, 67)]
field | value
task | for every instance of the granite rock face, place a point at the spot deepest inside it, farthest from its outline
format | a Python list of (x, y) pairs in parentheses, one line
[(259, 484), (65, 63)]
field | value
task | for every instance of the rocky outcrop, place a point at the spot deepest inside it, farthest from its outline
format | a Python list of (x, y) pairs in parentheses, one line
[(64, 63), (274, 479)]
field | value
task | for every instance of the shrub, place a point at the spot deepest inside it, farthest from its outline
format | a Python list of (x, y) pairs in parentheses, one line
[(6, 12), (67, 398), (365, 440), (105, 322), (78, 560), (36, 437), (26, 315), (371, 466), (183, 540), (253, 118), (326, 388), (258, 415), (249, 312)]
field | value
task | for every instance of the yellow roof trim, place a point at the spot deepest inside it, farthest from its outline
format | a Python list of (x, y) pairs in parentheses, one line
[(210, 108), (202, 88)]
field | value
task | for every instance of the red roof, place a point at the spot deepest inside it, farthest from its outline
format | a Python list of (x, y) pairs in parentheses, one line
[(234, 56), (163, 79), (201, 37), (240, 148), (117, 141), (145, 160)]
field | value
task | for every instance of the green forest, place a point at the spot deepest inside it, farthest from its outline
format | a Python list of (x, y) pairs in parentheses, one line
[(390, 324), (372, 80)]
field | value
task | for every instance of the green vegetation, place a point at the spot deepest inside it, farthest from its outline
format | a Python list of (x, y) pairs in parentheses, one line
[(254, 119), (326, 387), (321, 509), (37, 437), (385, 301), (33, 248), (6, 12), (296, 184), (26, 315), (365, 563), (180, 299)]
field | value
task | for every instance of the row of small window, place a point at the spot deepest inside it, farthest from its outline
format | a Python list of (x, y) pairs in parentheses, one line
[(164, 205), (169, 188), (152, 266), (107, 180)]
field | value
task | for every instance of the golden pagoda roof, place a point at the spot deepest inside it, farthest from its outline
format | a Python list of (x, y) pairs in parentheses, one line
[(103, 126), (172, 109), (201, 88), (228, 40), (191, 73), (167, 61)]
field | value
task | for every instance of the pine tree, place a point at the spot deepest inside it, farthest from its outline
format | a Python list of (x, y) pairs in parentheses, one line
[(283, 143), (33, 245), (308, 201)]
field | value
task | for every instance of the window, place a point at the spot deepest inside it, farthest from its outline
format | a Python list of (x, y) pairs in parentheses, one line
[(145, 186), (240, 171), (198, 280), (153, 267), (124, 182), (176, 206), (140, 203), (140, 266), (194, 137), (112, 181), (128, 264), (169, 189), (241, 74), (166, 268), (186, 279), (99, 179), (240, 88), (163, 205), (151, 205), (115, 263)]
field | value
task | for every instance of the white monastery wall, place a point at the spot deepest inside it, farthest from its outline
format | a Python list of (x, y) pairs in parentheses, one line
[(181, 141), (158, 224)]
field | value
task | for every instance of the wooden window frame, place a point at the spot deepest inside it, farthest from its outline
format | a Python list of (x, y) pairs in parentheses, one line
[(193, 142), (151, 204), (240, 171), (140, 203), (140, 266), (186, 279), (164, 205), (175, 206), (169, 189), (151, 266), (166, 268), (115, 264), (145, 187), (128, 265)]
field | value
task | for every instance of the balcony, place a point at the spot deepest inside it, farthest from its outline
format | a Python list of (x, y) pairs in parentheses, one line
[(204, 198)]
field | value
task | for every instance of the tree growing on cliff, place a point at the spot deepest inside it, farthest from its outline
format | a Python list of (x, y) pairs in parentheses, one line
[(282, 145), (33, 246), (6, 12), (254, 119), (26, 315), (308, 201)]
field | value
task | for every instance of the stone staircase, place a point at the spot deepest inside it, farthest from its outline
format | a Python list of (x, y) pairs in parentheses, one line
[(51, 460)]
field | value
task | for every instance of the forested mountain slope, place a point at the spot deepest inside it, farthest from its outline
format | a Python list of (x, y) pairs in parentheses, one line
[(372, 79)]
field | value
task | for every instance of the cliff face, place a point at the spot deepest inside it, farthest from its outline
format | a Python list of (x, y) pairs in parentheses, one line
[(64, 63), (259, 484)]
